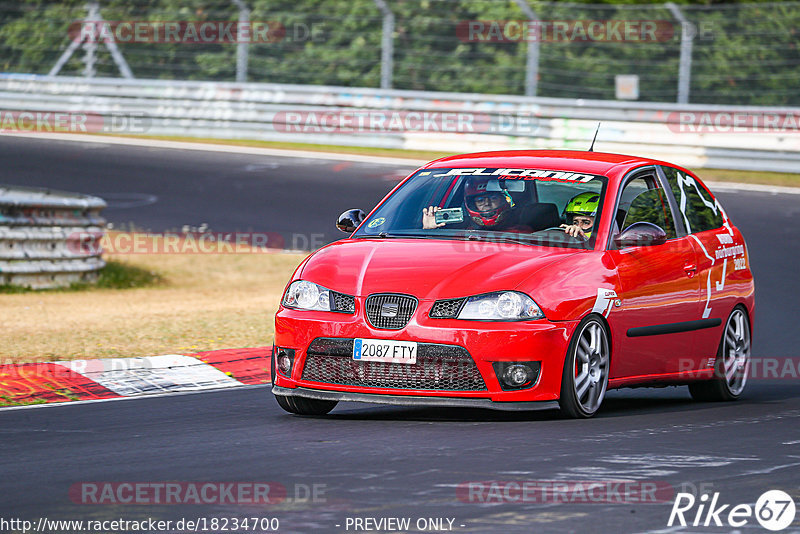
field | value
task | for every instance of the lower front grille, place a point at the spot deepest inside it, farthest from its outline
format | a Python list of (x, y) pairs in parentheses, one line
[(438, 368)]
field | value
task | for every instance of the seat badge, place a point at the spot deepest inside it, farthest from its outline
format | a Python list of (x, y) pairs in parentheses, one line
[(390, 309)]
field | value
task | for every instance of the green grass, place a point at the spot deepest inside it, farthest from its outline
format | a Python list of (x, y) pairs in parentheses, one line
[(711, 175), (120, 275), (115, 275), (8, 401)]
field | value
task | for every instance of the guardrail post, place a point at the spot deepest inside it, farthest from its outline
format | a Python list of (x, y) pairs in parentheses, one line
[(387, 44), (532, 62), (90, 46), (688, 31), (242, 46)]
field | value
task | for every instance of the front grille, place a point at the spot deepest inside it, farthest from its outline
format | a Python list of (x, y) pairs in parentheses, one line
[(438, 368), (343, 303), (446, 309), (390, 311)]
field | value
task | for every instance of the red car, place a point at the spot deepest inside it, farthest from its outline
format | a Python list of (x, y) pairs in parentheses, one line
[(521, 280)]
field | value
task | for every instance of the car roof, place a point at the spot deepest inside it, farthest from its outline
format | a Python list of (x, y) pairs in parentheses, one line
[(603, 163)]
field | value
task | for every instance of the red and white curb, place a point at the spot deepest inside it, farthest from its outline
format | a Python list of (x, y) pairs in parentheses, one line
[(101, 379)]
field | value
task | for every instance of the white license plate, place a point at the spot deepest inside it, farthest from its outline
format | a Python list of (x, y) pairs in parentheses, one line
[(384, 350)]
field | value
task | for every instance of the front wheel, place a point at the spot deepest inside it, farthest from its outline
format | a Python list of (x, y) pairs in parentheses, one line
[(586, 367), (303, 406), (732, 364)]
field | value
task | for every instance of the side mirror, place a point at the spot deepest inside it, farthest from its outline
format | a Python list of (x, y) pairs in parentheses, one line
[(641, 234), (349, 220)]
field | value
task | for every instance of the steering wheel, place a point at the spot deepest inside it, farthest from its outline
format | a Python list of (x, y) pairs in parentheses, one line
[(561, 231)]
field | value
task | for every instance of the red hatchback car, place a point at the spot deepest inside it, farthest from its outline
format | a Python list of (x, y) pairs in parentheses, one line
[(521, 280)]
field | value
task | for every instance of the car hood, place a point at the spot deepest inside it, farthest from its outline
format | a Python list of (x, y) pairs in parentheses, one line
[(426, 268)]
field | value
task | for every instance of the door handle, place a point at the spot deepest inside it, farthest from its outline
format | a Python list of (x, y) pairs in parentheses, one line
[(690, 268)]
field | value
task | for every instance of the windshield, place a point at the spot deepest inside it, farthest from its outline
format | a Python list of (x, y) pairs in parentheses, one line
[(528, 206)]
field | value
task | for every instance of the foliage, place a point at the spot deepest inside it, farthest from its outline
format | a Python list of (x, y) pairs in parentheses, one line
[(742, 54)]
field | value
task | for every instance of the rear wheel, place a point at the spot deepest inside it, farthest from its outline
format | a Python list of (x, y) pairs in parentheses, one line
[(303, 406), (585, 378), (732, 365)]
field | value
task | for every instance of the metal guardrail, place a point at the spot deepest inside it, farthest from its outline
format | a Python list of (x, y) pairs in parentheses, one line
[(49, 238), (274, 112)]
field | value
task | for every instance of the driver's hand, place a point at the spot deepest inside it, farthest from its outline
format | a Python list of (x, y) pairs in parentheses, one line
[(429, 218), (573, 230)]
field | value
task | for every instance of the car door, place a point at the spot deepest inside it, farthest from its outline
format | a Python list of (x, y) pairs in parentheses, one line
[(659, 289), (719, 249)]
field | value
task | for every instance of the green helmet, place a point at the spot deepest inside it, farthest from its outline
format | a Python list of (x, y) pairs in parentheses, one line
[(585, 204)]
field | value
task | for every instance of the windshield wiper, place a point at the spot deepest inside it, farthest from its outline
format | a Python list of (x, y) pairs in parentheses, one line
[(498, 239), (384, 235)]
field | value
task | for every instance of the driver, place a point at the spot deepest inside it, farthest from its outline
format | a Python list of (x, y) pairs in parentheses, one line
[(488, 210), (580, 213)]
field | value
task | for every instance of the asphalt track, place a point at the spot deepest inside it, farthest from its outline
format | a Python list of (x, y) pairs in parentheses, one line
[(374, 461)]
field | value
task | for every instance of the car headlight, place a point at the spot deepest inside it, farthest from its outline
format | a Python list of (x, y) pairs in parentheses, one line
[(305, 295), (501, 306)]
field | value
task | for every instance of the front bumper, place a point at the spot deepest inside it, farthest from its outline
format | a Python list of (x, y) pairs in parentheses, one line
[(413, 400), (486, 342)]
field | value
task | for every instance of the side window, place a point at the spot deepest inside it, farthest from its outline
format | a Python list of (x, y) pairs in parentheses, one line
[(697, 208), (643, 201)]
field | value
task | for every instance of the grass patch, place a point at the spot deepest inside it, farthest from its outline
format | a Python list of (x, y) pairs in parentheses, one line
[(198, 302), (8, 401), (119, 275), (115, 275)]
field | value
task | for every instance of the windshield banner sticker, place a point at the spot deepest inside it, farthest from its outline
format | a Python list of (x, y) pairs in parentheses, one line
[(517, 174)]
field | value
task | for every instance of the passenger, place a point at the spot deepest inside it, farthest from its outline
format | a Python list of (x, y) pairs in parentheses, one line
[(488, 210)]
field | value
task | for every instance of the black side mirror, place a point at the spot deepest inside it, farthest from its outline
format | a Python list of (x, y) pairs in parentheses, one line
[(641, 234), (349, 220)]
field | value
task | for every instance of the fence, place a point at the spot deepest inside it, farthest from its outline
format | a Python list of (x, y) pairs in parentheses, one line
[(49, 238), (746, 138), (738, 54)]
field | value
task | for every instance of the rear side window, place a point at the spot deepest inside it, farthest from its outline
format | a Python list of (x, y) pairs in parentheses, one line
[(696, 207)]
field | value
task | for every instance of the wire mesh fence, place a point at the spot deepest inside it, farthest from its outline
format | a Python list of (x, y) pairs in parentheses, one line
[(742, 54)]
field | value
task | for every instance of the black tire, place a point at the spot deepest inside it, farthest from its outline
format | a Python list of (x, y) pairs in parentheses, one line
[(304, 406), (593, 355), (732, 365)]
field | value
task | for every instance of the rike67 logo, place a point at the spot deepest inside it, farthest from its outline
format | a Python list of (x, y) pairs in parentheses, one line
[(774, 510)]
